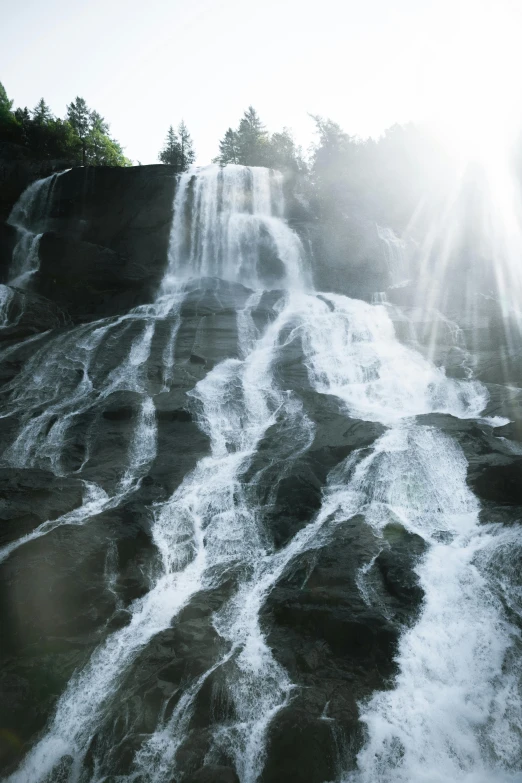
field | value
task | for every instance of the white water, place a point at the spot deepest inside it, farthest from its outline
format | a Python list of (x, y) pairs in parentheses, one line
[(453, 712), (28, 216), (395, 255), (6, 297), (227, 223), (62, 381)]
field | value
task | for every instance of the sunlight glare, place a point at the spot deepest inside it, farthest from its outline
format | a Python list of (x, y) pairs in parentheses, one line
[(474, 82)]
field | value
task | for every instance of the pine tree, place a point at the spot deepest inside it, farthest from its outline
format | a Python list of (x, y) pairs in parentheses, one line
[(252, 140), (97, 122), (9, 127), (284, 153), (79, 116), (228, 149), (8, 123), (187, 154), (249, 145), (5, 104), (42, 113), (171, 152)]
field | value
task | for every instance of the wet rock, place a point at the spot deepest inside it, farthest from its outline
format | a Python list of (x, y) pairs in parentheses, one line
[(213, 774), (500, 483), (211, 295), (302, 747), (106, 237), (18, 170), (8, 239), (349, 257), (90, 280), (25, 314), (29, 497), (335, 630)]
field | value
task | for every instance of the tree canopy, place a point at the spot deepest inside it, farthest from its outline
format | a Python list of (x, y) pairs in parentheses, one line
[(251, 145), (81, 138)]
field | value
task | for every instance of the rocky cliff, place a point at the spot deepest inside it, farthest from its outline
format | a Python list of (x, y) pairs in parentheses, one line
[(230, 514)]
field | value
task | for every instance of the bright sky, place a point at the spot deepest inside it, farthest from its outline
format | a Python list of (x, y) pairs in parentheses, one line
[(365, 63)]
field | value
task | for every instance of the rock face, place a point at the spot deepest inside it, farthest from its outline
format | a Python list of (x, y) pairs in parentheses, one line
[(17, 171), (226, 537), (88, 280), (103, 243)]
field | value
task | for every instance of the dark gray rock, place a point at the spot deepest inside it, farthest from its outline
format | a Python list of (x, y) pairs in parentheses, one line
[(8, 240), (91, 280), (213, 774), (128, 210), (106, 234), (17, 171), (27, 314), (31, 496)]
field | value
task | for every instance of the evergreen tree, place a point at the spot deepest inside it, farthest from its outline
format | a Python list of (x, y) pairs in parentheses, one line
[(42, 113), (97, 122), (186, 147), (171, 152), (5, 104), (252, 140), (252, 145), (23, 118), (79, 116), (178, 150), (101, 149), (104, 151), (9, 128), (81, 138), (228, 149), (284, 154)]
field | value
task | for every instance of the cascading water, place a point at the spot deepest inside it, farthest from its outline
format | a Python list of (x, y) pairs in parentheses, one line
[(227, 223), (394, 249), (449, 714), (29, 217)]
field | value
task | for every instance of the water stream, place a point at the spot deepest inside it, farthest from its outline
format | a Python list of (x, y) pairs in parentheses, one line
[(451, 713)]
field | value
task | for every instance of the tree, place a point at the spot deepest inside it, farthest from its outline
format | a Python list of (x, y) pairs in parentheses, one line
[(97, 122), (42, 113), (5, 104), (83, 137), (252, 140), (23, 118), (284, 154), (187, 154), (101, 150), (171, 152), (9, 128), (228, 149), (252, 145), (178, 150), (79, 116)]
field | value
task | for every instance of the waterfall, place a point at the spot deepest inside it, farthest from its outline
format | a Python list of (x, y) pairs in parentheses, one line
[(379, 297), (395, 256), (227, 223), (449, 715), (29, 216)]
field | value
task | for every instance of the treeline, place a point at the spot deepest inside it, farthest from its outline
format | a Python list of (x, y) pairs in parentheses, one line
[(81, 138), (250, 144), (340, 176)]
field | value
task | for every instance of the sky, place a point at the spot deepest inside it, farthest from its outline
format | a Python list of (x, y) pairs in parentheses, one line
[(366, 64)]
